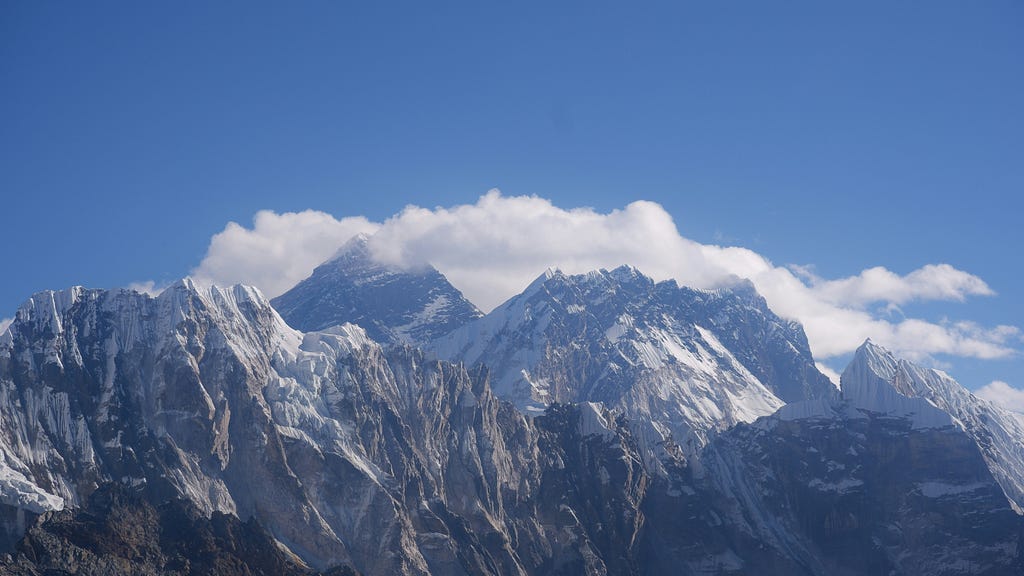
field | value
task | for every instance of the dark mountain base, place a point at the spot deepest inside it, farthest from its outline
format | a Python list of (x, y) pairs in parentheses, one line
[(837, 496), (120, 533)]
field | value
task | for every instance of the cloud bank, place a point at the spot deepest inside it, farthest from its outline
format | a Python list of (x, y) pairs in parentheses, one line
[(1001, 393), (492, 249), (278, 251)]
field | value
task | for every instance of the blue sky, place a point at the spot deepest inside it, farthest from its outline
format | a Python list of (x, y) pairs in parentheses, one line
[(841, 137)]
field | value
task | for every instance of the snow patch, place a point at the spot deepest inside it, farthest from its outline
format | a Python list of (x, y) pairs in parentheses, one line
[(18, 491), (940, 489), (841, 487), (596, 420)]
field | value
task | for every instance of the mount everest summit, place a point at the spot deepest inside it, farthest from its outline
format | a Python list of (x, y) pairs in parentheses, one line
[(371, 420), (392, 305)]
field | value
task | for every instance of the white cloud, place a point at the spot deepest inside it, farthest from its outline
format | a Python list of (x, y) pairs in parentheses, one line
[(931, 282), (5, 323), (1001, 393), (279, 249), (492, 249), (832, 374), (147, 287)]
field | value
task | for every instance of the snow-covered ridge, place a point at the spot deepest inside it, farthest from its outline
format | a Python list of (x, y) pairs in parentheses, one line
[(45, 309), (56, 335), (679, 363)]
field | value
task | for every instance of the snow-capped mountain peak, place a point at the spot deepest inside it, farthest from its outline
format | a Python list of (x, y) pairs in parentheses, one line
[(683, 362), (869, 384), (878, 380), (393, 304)]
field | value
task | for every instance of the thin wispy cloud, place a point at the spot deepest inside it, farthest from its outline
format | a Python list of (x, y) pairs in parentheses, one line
[(493, 248)]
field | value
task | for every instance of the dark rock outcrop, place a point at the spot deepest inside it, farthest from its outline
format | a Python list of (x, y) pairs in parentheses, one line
[(120, 532)]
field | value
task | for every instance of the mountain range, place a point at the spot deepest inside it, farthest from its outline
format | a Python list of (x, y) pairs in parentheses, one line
[(372, 421)]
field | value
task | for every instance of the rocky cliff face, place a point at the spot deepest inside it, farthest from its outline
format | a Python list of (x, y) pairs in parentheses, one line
[(393, 305), (874, 482), (855, 493), (121, 533), (345, 452)]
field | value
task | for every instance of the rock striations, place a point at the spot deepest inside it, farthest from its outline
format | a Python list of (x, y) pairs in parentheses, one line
[(595, 424), (345, 452)]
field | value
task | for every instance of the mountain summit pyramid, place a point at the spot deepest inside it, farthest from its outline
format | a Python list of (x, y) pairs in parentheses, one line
[(393, 305)]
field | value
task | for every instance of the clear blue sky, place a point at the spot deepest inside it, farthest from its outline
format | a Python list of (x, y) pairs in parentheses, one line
[(843, 135)]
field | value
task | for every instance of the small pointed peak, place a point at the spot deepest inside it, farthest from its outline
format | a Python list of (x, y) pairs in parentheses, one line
[(186, 284), (548, 274), (246, 293), (360, 239), (873, 358), (357, 246), (629, 274), (625, 272), (551, 273), (870, 349), (873, 381), (357, 253)]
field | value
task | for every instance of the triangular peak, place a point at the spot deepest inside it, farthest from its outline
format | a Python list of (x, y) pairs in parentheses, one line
[(357, 246), (393, 303), (548, 274), (359, 254), (877, 359), (870, 383)]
